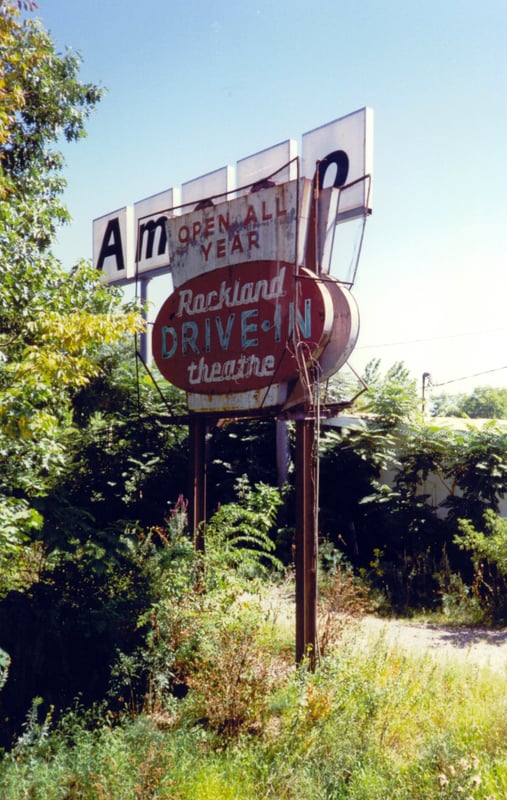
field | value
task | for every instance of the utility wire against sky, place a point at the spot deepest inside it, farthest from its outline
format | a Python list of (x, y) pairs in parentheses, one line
[(438, 338), (466, 377), (431, 339)]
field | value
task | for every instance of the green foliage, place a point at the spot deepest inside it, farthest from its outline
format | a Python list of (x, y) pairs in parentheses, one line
[(350, 469), (238, 534), (460, 604), (82, 762), (488, 551), (392, 398), (343, 597), (491, 546), (5, 660), (234, 444), (372, 722), (484, 402), (19, 522), (378, 486), (193, 614), (55, 325), (415, 551), (477, 465), (124, 461), (234, 673), (63, 633), (41, 100)]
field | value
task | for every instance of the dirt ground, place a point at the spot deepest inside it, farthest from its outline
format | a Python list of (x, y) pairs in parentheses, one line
[(478, 646)]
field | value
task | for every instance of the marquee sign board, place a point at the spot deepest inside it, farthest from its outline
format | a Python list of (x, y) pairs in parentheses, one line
[(254, 316), (253, 227), (240, 338), (338, 153), (342, 151), (113, 253), (253, 169)]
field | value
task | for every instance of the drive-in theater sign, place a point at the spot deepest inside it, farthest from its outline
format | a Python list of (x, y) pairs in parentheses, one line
[(253, 319)]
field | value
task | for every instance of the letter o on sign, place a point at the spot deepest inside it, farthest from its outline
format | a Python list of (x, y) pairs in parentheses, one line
[(341, 160)]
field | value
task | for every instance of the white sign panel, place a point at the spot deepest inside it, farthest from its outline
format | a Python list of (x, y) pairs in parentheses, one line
[(150, 217), (336, 160), (340, 154), (113, 245), (276, 163), (219, 182), (253, 227)]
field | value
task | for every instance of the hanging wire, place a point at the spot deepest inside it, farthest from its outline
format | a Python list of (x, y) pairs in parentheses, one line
[(138, 385), (466, 377), (315, 395)]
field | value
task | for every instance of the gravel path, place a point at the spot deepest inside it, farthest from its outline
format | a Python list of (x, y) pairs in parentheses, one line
[(478, 646)]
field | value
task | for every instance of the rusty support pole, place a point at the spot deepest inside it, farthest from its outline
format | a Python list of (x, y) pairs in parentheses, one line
[(145, 338), (197, 479), (306, 542)]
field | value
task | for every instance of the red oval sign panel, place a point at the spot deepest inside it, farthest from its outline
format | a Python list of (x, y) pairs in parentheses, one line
[(242, 328)]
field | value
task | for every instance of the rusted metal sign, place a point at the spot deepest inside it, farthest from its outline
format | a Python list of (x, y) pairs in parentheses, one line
[(254, 311), (258, 226), (245, 320), (240, 332)]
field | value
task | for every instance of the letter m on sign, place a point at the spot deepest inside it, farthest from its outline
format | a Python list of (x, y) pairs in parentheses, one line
[(146, 238)]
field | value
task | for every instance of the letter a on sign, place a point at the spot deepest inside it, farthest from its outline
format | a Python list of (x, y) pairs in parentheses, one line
[(113, 245)]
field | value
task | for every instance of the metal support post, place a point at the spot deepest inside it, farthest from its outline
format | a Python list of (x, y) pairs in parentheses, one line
[(306, 542), (197, 478), (145, 337), (282, 452)]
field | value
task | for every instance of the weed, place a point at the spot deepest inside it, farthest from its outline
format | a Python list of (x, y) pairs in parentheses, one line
[(343, 598), (460, 605), (234, 677)]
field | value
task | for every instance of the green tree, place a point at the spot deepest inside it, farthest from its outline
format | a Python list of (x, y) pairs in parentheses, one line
[(353, 460), (477, 468), (484, 402), (391, 398), (374, 489), (54, 324), (126, 461)]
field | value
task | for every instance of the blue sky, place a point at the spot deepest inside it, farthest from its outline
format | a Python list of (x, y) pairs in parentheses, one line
[(194, 85)]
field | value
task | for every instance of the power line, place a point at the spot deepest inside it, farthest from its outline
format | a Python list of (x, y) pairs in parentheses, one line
[(431, 339), (466, 377)]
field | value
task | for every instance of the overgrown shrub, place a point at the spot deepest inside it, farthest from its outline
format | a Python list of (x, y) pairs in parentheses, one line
[(343, 598), (371, 722), (195, 592), (235, 673), (487, 549), (63, 633)]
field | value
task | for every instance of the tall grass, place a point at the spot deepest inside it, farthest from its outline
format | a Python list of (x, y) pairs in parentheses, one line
[(372, 723)]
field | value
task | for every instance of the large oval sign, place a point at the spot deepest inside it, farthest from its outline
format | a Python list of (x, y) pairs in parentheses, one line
[(242, 328)]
